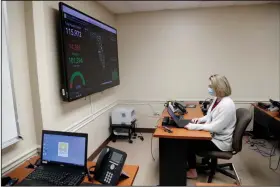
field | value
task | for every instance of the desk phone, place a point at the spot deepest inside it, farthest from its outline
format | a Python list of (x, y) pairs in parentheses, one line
[(109, 166)]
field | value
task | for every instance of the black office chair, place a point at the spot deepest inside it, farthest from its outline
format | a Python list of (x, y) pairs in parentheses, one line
[(243, 118)]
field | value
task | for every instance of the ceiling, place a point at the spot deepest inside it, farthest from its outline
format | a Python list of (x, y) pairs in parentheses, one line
[(120, 7)]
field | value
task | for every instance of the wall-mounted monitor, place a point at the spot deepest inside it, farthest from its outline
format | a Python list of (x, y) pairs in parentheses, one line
[(89, 54)]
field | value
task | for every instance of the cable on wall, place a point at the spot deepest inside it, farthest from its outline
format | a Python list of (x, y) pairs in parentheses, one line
[(152, 148)]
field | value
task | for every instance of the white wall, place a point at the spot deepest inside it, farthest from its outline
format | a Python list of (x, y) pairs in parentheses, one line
[(171, 54), (36, 50)]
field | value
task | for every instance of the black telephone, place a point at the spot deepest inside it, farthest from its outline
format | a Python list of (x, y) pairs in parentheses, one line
[(109, 165), (8, 181), (176, 105), (205, 105), (180, 107)]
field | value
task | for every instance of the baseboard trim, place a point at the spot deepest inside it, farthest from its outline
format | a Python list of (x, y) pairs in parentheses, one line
[(107, 141), (78, 125), (13, 163), (98, 150), (145, 130)]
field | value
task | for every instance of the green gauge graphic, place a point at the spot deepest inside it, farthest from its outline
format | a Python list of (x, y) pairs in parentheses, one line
[(115, 75), (74, 75)]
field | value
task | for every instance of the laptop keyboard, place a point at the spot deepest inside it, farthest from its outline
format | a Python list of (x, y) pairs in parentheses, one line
[(56, 178)]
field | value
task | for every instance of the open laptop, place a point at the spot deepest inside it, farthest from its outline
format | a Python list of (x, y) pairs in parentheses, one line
[(64, 160), (180, 121)]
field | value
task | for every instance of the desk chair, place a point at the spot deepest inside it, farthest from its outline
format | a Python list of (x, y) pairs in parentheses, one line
[(243, 118)]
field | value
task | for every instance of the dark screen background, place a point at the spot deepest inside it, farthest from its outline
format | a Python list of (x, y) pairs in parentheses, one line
[(90, 57)]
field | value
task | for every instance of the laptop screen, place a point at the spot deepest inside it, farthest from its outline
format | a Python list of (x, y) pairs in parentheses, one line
[(64, 149), (172, 114)]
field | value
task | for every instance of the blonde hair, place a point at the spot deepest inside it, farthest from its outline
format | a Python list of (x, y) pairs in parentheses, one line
[(220, 85)]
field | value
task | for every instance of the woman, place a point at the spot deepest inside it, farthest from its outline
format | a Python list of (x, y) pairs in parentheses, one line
[(220, 121)]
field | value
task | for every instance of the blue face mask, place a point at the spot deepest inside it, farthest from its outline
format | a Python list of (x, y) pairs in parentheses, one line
[(211, 91)]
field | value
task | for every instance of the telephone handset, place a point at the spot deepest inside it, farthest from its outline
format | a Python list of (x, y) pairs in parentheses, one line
[(180, 107), (177, 107), (205, 105), (109, 165)]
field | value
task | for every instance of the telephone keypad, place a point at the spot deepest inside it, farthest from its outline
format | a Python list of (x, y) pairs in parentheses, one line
[(108, 177)]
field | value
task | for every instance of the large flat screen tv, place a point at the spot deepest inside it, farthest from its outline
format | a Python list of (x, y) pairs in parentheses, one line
[(89, 54)]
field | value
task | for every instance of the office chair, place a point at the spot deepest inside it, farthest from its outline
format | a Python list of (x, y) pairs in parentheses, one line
[(243, 118)]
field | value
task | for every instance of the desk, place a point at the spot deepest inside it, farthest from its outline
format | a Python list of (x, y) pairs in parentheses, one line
[(277, 118), (21, 172), (173, 149), (269, 113), (265, 122)]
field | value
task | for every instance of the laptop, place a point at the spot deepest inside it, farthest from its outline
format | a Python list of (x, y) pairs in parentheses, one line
[(179, 121), (64, 160)]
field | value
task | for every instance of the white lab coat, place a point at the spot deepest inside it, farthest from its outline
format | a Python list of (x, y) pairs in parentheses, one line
[(220, 122)]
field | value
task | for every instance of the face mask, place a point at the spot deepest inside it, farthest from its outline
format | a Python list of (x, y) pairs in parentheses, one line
[(211, 91)]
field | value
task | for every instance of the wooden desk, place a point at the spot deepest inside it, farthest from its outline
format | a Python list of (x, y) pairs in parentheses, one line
[(277, 118), (266, 123), (181, 133), (272, 114), (21, 172), (173, 149)]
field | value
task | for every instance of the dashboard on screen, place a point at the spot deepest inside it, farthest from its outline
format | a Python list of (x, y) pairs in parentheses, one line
[(89, 54)]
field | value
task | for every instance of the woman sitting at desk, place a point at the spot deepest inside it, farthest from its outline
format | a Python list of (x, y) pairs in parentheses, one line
[(220, 121)]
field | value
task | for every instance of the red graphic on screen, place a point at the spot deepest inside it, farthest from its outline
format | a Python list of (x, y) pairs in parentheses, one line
[(75, 47)]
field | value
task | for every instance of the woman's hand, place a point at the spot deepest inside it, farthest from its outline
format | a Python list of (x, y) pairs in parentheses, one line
[(191, 126), (188, 126), (195, 120)]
